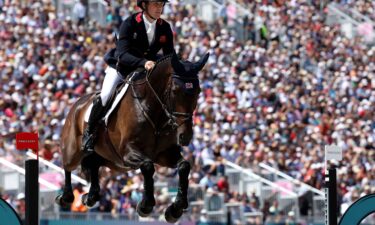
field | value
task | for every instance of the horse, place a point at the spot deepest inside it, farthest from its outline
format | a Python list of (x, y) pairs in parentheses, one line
[(149, 125)]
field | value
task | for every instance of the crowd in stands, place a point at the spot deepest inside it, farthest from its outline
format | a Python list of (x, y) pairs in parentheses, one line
[(292, 86), (366, 8)]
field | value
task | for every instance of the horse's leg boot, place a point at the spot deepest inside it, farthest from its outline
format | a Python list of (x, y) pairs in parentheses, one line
[(89, 135)]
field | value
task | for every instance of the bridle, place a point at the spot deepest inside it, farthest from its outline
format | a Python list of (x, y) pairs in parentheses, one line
[(167, 107)]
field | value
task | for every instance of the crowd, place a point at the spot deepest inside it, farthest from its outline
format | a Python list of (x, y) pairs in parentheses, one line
[(293, 86), (366, 8)]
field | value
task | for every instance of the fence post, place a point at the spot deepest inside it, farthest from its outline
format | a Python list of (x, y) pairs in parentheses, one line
[(332, 196), (24, 141), (32, 192), (229, 218), (331, 152)]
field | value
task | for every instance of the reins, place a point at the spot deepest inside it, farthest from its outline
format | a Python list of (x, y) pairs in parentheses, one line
[(172, 116)]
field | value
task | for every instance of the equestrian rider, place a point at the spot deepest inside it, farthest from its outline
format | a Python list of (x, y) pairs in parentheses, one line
[(141, 36)]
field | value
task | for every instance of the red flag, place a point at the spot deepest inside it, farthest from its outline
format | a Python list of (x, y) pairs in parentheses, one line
[(26, 140)]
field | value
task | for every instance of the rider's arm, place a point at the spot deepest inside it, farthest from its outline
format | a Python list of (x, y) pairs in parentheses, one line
[(123, 46)]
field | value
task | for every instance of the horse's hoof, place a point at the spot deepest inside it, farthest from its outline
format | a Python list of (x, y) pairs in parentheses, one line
[(172, 215), (143, 211), (87, 201), (60, 201)]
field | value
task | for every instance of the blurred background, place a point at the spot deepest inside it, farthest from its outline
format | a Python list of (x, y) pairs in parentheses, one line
[(284, 79)]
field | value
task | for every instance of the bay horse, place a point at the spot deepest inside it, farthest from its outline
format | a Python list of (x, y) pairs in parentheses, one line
[(149, 126)]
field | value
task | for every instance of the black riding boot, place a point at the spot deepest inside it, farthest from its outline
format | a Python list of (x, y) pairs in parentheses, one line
[(89, 135)]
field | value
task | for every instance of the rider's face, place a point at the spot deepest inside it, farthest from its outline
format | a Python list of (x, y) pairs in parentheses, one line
[(155, 9)]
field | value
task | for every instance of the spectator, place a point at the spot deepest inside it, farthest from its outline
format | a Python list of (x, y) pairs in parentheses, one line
[(79, 12), (207, 181), (254, 206), (77, 205), (223, 184), (255, 199), (21, 204)]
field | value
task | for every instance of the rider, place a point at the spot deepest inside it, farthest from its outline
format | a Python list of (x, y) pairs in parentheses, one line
[(141, 36)]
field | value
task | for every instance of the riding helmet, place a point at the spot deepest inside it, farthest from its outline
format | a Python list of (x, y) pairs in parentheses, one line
[(139, 2)]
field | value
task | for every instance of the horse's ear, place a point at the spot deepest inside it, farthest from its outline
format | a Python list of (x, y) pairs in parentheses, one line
[(177, 65), (200, 64)]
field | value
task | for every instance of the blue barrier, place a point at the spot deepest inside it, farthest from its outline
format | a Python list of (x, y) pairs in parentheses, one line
[(8, 215), (359, 210)]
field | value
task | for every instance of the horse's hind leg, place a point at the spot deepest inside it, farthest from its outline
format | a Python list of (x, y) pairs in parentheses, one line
[(67, 197), (144, 208), (175, 210), (91, 165)]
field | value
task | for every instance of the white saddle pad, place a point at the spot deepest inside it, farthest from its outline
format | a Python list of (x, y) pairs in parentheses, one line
[(114, 104)]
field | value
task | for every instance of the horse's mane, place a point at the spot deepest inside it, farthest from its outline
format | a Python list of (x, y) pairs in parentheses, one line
[(161, 63), (164, 58)]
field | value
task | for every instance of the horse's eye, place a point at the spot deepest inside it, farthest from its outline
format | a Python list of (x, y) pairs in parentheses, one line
[(175, 87)]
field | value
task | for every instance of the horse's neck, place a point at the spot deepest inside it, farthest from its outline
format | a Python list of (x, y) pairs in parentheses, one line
[(160, 78), (159, 81)]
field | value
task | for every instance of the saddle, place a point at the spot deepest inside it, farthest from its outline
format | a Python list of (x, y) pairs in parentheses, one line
[(117, 95), (137, 74)]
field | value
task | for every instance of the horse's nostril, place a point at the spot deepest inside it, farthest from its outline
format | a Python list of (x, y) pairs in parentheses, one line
[(182, 139)]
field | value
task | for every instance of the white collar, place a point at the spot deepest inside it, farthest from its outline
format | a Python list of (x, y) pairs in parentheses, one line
[(148, 23)]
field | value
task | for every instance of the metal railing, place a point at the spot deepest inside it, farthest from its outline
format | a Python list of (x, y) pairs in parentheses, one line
[(352, 12), (209, 12), (335, 15), (261, 179), (349, 18), (56, 168), (96, 9), (291, 179), (245, 180), (20, 170)]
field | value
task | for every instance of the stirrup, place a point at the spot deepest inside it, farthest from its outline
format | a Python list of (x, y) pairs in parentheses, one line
[(85, 147)]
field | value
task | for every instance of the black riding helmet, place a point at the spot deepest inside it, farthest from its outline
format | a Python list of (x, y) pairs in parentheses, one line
[(139, 2)]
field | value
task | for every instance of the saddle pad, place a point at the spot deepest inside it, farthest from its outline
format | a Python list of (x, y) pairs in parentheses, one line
[(113, 106)]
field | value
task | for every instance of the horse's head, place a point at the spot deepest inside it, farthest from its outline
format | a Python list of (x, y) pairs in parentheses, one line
[(183, 95)]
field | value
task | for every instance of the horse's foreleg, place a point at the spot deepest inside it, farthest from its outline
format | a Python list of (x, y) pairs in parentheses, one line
[(174, 211), (144, 208), (183, 184), (94, 193), (90, 166), (67, 197)]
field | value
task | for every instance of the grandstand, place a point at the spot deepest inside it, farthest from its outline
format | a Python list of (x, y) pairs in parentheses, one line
[(285, 78)]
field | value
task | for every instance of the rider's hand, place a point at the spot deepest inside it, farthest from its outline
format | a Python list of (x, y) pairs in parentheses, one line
[(149, 65)]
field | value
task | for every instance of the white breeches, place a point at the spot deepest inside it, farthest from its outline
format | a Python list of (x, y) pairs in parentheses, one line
[(111, 79)]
